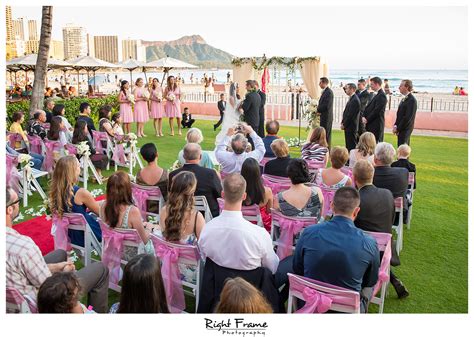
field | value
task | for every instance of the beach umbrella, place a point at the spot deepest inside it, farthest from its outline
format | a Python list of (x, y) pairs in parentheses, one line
[(167, 63), (132, 64), (89, 63)]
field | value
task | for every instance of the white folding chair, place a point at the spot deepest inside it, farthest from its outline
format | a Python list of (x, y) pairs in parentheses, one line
[(399, 227), (250, 213), (200, 202), (86, 165), (411, 188)]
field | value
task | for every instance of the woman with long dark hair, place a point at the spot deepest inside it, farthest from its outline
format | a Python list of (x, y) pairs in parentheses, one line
[(125, 105), (173, 103), (60, 110), (143, 291), (56, 132), (156, 106), (257, 194)]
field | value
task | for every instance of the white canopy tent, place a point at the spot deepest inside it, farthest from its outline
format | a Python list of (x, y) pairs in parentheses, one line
[(89, 63)]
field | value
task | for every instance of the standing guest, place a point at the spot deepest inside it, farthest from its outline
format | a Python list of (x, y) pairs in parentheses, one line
[(300, 200), (278, 166), (56, 132), (17, 120), (84, 114), (208, 183), (187, 120), (364, 150), (232, 161), (403, 155), (251, 106), (350, 117), (462, 92), (27, 269), (240, 297), (456, 90), (157, 110), (141, 106), (173, 103), (194, 135), (364, 96), (64, 92), (386, 87), (117, 124), (325, 107), (221, 105), (230, 241), (65, 196), (317, 147), (272, 127), (374, 113), (48, 109), (332, 177), (125, 101), (261, 111), (105, 125), (406, 113), (152, 174), (257, 193), (143, 291), (81, 134)]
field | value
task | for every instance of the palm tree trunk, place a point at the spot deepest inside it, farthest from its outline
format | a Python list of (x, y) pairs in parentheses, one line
[(42, 61)]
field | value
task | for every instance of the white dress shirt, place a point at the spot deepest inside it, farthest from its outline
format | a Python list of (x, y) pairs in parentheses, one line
[(233, 242), (231, 162)]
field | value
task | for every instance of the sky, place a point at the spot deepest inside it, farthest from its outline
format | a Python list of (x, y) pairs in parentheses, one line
[(347, 37)]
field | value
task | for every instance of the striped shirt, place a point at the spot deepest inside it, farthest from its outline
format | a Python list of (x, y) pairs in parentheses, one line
[(313, 151)]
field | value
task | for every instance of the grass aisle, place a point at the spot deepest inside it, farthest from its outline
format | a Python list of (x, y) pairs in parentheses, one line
[(434, 258)]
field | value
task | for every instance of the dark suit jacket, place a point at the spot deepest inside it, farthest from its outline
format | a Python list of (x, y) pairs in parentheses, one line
[(277, 167), (377, 210), (394, 179), (325, 103), (350, 116), (364, 97), (406, 164), (208, 184), (406, 114), (221, 106), (375, 114), (251, 107), (263, 100)]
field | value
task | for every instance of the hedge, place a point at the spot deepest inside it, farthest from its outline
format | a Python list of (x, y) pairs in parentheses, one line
[(71, 106)]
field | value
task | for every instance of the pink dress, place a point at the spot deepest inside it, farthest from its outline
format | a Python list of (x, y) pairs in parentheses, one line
[(125, 109), (141, 107), (157, 110), (173, 109)]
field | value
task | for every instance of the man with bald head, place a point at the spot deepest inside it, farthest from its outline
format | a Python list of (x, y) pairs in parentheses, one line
[(208, 183), (36, 126)]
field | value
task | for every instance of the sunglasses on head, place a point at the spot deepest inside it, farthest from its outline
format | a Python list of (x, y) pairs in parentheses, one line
[(14, 202)]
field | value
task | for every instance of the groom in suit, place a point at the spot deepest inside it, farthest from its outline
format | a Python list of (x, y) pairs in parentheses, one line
[(350, 117), (251, 106), (406, 114), (364, 96), (261, 111), (325, 107), (374, 113)]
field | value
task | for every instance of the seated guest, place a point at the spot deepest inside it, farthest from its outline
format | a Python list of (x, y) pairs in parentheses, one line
[(65, 196), (208, 183), (233, 242), (142, 288), (84, 114), (17, 120), (48, 109), (117, 124), (364, 149), (317, 147), (60, 110), (36, 159), (277, 166), (333, 177), (36, 127), (257, 194), (232, 161), (338, 242), (105, 125), (194, 135), (403, 155), (118, 210), (240, 297), (187, 120), (272, 128), (56, 130), (300, 200), (60, 294), (152, 174), (81, 134), (27, 269), (377, 210)]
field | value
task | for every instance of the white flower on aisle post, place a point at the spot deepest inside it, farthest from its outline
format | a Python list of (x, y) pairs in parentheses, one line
[(83, 149), (24, 158)]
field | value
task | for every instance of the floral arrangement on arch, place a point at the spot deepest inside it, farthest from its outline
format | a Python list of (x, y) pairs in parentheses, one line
[(311, 114)]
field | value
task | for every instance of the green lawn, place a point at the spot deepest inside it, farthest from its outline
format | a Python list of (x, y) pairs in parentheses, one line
[(434, 259)]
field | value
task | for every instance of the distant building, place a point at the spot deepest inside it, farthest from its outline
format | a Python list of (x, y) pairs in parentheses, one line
[(32, 30), (19, 29), (32, 46), (75, 41), (9, 22), (56, 49), (106, 48), (90, 45), (15, 48), (133, 49)]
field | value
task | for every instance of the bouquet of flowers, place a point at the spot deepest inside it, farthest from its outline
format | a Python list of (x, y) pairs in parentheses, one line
[(311, 113), (131, 98), (159, 95), (24, 159), (132, 138), (83, 149), (171, 97), (146, 94)]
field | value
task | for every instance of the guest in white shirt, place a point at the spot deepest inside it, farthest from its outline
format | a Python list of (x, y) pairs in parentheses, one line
[(233, 242), (232, 161)]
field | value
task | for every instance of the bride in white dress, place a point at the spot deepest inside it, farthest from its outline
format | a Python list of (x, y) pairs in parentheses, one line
[(231, 113)]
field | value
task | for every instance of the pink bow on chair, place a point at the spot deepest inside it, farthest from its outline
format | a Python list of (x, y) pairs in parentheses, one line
[(328, 196), (13, 177), (288, 229), (384, 269), (98, 144), (119, 154), (171, 277), (316, 302), (59, 230), (141, 197), (49, 158), (35, 144)]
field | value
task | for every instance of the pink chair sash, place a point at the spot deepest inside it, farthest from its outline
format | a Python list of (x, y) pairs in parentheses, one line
[(328, 196), (288, 229), (13, 177), (383, 241), (141, 195), (71, 149), (316, 302), (13, 138), (119, 154), (276, 184), (35, 144), (60, 235), (97, 137), (50, 146)]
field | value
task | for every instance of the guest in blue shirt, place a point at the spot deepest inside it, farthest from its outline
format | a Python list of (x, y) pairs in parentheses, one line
[(337, 252), (272, 128)]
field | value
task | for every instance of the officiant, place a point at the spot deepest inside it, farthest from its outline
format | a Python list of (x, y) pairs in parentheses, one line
[(250, 107)]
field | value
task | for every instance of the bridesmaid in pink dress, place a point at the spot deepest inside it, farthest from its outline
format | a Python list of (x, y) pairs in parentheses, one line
[(125, 106), (157, 110), (173, 106), (141, 106)]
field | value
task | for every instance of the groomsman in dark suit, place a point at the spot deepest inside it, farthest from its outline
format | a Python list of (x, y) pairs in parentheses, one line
[(261, 112), (350, 117), (364, 96), (221, 106), (325, 107), (374, 113), (406, 113)]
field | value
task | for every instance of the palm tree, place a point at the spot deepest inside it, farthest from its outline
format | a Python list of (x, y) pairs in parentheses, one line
[(42, 61)]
